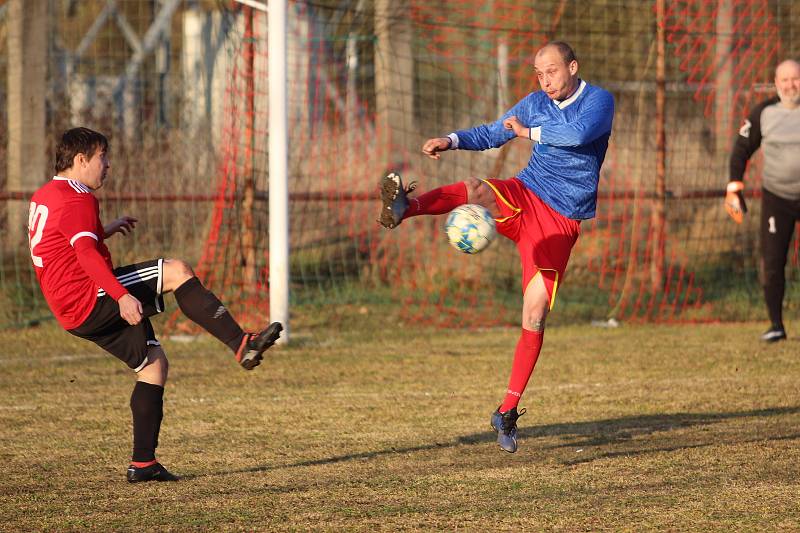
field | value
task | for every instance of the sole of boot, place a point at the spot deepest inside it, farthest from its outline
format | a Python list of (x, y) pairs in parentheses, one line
[(272, 334), (389, 190)]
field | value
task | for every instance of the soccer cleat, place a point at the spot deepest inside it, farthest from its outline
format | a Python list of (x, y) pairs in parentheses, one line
[(505, 424), (254, 345), (154, 472), (774, 334), (395, 200)]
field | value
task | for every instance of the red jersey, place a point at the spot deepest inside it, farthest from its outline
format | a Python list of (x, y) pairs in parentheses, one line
[(64, 214)]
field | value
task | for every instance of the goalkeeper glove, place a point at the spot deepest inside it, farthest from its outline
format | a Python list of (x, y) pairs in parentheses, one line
[(734, 201)]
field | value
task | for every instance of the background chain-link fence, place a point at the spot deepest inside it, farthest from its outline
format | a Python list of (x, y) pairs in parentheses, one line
[(181, 89)]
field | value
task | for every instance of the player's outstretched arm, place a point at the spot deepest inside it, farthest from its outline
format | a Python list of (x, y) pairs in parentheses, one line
[(124, 225), (513, 123), (432, 147)]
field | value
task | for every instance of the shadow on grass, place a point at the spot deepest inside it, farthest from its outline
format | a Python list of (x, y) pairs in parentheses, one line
[(618, 431), (662, 449), (581, 435), (614, 430)]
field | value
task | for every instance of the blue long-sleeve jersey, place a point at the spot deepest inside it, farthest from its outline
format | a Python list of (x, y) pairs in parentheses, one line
[(564, 168)]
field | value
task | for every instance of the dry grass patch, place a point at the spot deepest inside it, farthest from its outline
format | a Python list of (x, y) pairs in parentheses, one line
[(690, 428)]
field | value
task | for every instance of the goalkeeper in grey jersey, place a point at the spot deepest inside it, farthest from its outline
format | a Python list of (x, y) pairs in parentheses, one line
[(773, 125)]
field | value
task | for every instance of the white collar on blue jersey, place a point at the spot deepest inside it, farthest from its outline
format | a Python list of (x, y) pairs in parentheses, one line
[(564, 103)]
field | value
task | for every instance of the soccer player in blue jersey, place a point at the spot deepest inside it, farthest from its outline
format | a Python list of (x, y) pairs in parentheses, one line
[(541, 208)]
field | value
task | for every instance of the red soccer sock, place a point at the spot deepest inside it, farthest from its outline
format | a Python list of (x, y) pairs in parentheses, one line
[(437, 201), (143, 464), (525, 356)]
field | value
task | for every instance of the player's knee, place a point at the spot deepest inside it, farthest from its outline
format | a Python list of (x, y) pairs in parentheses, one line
[(176, 272), (157, 368), (472, 184), (474, 187), (534, 319), (773, 271), (178, 267), (534, 316), (479, 193)]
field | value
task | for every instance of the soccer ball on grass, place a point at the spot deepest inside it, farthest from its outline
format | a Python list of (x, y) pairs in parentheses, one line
[(470, 228)]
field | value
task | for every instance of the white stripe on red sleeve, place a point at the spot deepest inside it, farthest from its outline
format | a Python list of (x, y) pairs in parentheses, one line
[(82, 234)]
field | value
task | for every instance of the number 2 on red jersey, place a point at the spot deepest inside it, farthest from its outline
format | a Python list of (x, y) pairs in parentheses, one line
[(37, 218)]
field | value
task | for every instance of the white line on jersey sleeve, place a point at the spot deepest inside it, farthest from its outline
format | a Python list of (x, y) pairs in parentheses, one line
[(82, 234)]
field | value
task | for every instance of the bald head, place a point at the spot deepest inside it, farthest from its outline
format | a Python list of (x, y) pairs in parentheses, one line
[(787, 67), (787, 83), (561, 48), (557, 70)]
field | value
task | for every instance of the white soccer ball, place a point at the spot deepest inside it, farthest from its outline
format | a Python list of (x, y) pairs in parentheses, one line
[(470, 228)]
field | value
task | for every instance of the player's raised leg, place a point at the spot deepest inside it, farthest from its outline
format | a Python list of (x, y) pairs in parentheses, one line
[(397, 206), (206, 310), (536, 304), (394, 200)]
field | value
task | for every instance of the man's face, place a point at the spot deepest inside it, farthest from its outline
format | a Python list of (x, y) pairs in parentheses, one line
[(556, 78), (96, 169), (787, 82)]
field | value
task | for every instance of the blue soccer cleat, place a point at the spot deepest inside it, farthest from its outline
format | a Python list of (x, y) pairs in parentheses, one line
[(505, 424), (394, 198)]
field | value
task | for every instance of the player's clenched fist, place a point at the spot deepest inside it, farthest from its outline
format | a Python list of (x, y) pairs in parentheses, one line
[(734, 201), (513, 123), (432, 147)]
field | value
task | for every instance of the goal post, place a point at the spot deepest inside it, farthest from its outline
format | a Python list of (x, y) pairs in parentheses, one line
[(278, 167)]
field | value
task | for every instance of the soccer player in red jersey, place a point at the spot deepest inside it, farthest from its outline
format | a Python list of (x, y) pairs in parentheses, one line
[(111, 306), (540, 209)]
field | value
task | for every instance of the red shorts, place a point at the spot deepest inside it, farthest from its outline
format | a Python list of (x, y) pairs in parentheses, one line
[(544, 237)]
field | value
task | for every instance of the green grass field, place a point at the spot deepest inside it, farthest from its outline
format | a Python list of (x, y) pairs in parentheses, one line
[(361, 425)]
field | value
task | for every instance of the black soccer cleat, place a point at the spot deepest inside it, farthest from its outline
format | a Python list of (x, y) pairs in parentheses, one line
[(254, 345), (155, 472), (774, 334), (505, 424), (394, 198)]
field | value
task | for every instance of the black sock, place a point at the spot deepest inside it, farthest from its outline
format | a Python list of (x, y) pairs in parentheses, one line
[(204, 309), (147, 407)]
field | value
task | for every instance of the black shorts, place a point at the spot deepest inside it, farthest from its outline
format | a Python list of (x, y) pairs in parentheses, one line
[(106, 328)]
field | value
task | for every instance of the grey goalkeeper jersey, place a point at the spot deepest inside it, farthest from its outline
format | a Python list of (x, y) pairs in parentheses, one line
[(777, 130)]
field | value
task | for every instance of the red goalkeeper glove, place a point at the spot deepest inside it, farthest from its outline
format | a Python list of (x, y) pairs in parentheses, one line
[(734, 201)]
